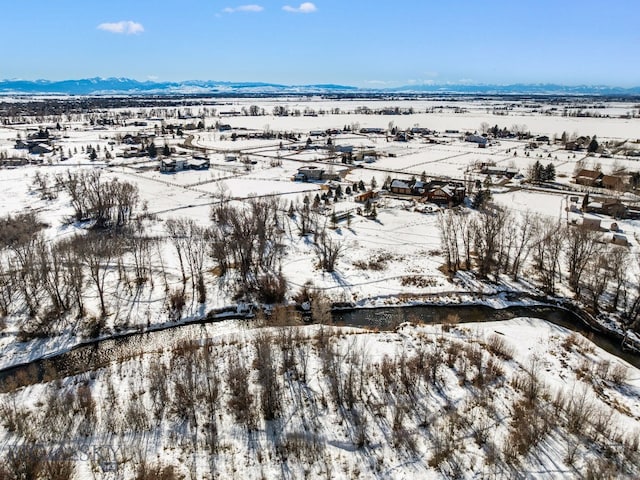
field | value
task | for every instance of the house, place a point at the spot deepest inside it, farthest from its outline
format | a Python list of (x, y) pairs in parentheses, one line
[(479, 139), (508, 172), (607, 206), (40, 148), (173, 165), (443, 193), (364, 196), (199, 163), (589, 178), (311, 173), (402, 187), (613, 182), (435, 191)]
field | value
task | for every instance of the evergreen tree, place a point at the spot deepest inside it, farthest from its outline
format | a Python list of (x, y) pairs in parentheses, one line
[(166, 151), (152, 151), (361, 185), (549, 173), (593, 145), (374, 184)]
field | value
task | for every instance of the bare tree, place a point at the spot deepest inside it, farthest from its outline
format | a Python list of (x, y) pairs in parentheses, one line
[(580, 247), (596, 278), (488, 229), (523, 236), (99, 251), (328, 250), (547, 243)]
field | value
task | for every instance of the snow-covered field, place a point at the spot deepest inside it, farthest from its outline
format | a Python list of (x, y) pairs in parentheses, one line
[(393, 258), (512, 398)]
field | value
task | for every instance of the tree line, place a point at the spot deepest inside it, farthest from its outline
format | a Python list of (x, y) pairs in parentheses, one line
[(495, 242)]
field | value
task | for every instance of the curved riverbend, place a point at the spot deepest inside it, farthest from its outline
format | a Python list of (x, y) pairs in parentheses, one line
[(99, 353)]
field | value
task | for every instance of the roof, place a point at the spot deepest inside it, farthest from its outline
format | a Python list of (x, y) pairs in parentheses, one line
[(400, 184), (593, 174)]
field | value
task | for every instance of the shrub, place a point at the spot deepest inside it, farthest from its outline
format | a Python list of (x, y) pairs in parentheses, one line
[(177, 301), (272, 288), (497, 345)]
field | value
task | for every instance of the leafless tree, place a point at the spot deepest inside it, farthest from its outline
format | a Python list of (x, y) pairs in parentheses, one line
[(329, 251), (177, 232), (597, 277), (522, 242), (99, 251), (580, 247), (270, 396), (547, 245), (488, 229), (618, 264)]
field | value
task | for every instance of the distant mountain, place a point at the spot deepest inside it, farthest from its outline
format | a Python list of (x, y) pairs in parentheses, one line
[(127, 86), (520, 88)]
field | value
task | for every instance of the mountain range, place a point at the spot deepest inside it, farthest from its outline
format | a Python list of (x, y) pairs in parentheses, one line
[(127, 86)]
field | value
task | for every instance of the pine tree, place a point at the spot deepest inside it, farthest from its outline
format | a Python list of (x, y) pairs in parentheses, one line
[(152, 150), (550, 173)]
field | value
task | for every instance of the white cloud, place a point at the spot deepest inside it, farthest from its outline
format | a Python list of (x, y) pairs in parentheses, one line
[(306, 7), (244, 8), (125, 27)]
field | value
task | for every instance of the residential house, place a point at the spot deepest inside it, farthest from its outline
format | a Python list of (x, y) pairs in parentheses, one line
[(402, 187), (479, 139), (364, 196), (589, 178), (446, 193), (607, 206), (436, 191), (40, 149), (613, 182), (311, 173), (508, 172)]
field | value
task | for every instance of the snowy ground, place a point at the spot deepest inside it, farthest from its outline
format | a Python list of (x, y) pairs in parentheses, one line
[(515, 396), (402, 243)]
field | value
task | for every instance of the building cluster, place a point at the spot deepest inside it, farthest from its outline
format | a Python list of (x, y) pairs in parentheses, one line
[(435, 191)]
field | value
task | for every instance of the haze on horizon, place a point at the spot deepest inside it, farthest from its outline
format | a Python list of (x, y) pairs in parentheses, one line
[(357, 43)]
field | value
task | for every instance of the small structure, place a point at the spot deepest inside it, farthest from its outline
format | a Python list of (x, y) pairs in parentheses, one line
[(616, 239), (590, 223), (364, 196)]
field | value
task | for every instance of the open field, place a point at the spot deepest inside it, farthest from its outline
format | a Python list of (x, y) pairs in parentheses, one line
[(125, 237)]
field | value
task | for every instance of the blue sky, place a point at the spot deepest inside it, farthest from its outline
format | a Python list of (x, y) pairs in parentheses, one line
[(352, 42)]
